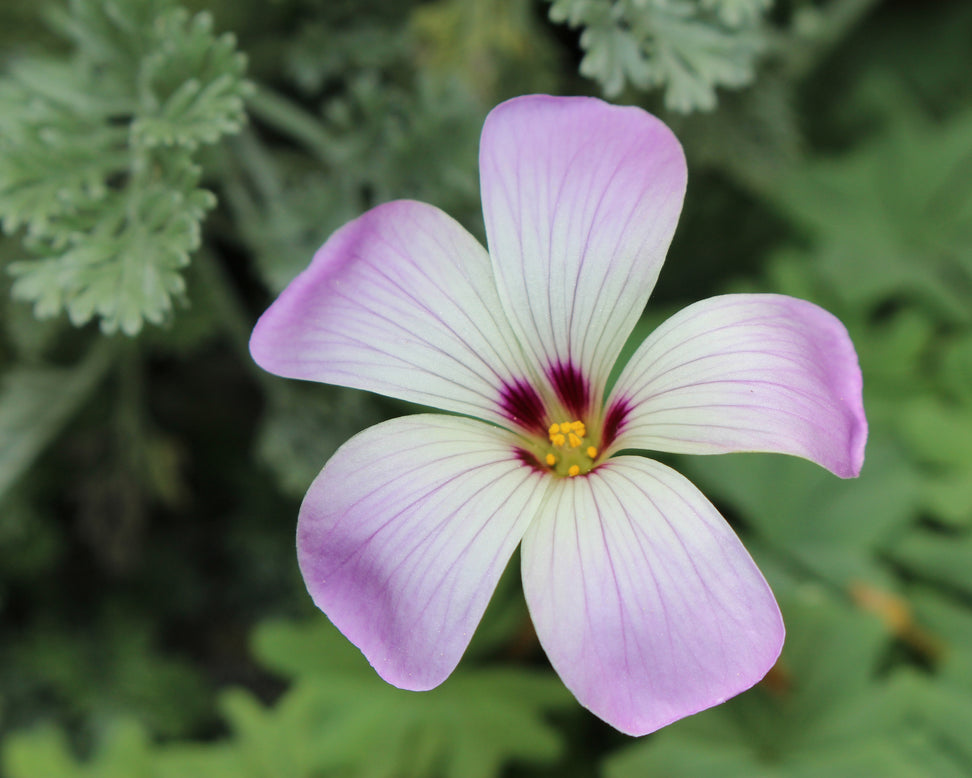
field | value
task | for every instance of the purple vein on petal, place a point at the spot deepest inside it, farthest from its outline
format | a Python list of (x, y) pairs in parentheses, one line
[(571, 387), (614, 421), (529, 460), (523, 406), (418, 559)]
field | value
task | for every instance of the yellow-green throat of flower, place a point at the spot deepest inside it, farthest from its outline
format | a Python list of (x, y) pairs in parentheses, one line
[(569, 452)]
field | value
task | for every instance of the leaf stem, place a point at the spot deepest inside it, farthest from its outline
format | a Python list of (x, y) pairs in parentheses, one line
[(289, 118)]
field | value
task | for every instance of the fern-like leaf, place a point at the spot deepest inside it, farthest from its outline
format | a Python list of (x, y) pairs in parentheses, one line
[(689, 47), (95, 158)]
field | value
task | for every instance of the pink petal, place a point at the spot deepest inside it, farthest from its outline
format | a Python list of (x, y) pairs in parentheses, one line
[(404, 534), (400, 301), (646, 603), (746, 373), (580, 199)]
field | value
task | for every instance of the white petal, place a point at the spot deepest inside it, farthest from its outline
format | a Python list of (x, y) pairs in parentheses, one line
[(580, 199), (646, 603), (400, 301), (404, 534), (746, 372)]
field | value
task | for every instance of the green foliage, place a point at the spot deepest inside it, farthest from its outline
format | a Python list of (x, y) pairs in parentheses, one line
[(405, 734), (96, 158), (890, 226), (893, 219), (30, 542), (374, 143), (831, 529), (109, 670), (304, 426), (941, 558), (824, 710), (34, 403), (45, 753), (485, 44), (689, 47), (337, 718)]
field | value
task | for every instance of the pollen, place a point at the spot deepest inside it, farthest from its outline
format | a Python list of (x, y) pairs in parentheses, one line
[(569, 452), (567, 433)]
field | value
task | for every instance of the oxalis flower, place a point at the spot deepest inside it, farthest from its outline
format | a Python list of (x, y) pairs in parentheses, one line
[(646, 603)]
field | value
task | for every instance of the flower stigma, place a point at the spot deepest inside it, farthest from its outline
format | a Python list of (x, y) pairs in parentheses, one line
[(569, 452)]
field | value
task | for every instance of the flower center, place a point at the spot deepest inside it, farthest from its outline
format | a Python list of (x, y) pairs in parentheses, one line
[(569, 453)]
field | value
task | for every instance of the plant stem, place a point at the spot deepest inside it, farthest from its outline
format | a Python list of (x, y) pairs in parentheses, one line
[(291, 119)]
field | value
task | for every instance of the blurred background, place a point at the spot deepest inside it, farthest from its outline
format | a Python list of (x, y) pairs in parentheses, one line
[(166, 166)]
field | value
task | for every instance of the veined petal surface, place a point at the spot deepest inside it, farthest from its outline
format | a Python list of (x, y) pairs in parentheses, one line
[(646, 603), (580, 199), (403, 536), (747, 372), (401, 301)]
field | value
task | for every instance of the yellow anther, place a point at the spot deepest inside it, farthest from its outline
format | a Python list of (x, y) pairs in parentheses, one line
[(568, 446)]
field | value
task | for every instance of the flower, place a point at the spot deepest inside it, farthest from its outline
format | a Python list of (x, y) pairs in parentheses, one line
[(645, 602)]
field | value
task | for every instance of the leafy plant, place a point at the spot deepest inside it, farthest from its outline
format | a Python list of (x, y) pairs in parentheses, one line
[(97, 160), (337, 718), (689, 47), (824, 709)]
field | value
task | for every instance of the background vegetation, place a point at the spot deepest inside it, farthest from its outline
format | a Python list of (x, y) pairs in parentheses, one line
[(166, 166)]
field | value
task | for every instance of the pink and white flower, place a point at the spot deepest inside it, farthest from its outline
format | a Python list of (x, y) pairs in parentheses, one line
[(646, 603)]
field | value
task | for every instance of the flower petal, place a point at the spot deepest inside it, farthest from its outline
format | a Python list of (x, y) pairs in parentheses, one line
[(580, 199), (646, 603), (404, 534), (400, 301), (746, 372)]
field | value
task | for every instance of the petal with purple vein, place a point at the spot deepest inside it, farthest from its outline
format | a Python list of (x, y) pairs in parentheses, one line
[(747, 372), (580, 199), (402, 538), (401, 301), (646, 603)]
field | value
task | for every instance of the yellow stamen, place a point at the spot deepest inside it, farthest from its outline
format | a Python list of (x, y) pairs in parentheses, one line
[(570, 453)]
